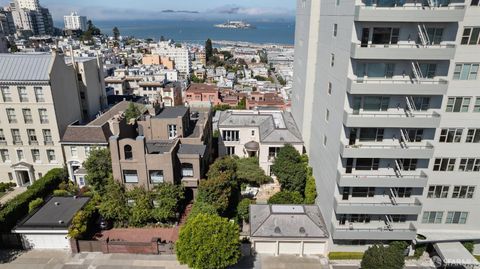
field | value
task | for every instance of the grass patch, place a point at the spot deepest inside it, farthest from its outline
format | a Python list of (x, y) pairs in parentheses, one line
[(345, 255)]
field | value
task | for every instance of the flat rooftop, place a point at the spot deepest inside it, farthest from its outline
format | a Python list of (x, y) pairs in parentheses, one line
[(172, 112), (56, 214)]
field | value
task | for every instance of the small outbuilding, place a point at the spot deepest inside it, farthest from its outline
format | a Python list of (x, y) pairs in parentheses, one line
[(288, 230), (47, 227)]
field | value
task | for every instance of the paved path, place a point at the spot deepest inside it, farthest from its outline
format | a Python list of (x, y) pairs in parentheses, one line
[(10, 195)]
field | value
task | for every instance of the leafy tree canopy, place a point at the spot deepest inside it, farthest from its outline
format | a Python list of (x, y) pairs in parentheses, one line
[(208, 242), (223, 166), (200, 207), (167, 200), (290, 169), (379, 257), (248, 171), (310, 188), (216, 191), (286, 198), (113, 204), (243, 209), (141, 210), (99, 168), (132, 112)]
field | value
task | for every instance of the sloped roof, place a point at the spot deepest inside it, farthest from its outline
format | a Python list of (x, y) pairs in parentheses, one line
[(26, 67), (300, 221), (87, 134)]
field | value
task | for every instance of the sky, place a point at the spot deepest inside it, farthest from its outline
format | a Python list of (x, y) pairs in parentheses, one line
[(167, 9)]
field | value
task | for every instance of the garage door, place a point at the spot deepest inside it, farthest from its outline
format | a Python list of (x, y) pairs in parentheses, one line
[(289, 248), (46, 241), (314, 248), (266, 247)]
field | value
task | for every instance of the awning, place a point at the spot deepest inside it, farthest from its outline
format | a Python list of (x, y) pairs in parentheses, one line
[(455, 254)]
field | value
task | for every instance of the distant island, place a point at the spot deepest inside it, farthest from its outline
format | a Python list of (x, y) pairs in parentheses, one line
[(235, 25)]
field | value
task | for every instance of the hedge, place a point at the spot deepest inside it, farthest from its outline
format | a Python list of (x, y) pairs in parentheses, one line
[(345, 255), (17, 208), (84, 221)]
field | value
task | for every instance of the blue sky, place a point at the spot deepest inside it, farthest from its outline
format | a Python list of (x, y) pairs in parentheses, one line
[(152, 9)]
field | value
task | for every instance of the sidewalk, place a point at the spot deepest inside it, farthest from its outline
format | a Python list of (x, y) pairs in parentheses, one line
[(10, 195)]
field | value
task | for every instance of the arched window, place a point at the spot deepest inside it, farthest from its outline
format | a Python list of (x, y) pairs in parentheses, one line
[(187, 170), (128, 152)]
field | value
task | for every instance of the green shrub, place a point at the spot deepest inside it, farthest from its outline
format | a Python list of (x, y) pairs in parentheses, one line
[(419, 250), (60, 193), (84, 221), (243, 209), (286, 198), (200, 207), (345, 255), (17, 208), (469, 245), (34, 204), (6, 186)]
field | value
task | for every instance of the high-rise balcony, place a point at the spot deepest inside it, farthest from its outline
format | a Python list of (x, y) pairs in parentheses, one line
[(377, 206), (418, 180), (409, 12), (397, 86), (388, 151), (392, 120), (402, 51), (364, 232)]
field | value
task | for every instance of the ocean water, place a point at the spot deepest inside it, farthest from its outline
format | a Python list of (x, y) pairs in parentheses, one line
[(199, 31)]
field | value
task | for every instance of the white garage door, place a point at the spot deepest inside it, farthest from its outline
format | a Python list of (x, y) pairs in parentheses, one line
[(266, 247), (314, 248), (289, 248), (46, 241)]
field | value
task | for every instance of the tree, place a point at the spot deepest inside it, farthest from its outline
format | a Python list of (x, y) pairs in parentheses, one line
[(113, 204), (248, 171), (242, 104), (286, 198), (221, 107), (208, 50), (132, 112), (208, 242), (310, 187), (289, 169), (99, 168), (167, 200), (226, 165), (116, 33), (141, 209), (200, 207), (243, 209), (216, 191), (379, 257)]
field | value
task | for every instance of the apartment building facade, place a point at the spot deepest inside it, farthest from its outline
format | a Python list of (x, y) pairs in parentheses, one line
[(39, 99), (385, 94), (75, 22)]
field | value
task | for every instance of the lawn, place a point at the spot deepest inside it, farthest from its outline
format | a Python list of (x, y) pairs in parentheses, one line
[(345, 255)]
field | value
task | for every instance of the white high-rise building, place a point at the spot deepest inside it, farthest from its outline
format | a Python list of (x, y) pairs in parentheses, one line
[(75, 22), (37, 20), (387, 97), (180, 55), (28, 4)]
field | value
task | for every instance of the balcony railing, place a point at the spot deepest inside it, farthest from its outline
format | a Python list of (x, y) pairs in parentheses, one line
[(395, 115), (380, 203), (405, 45), (393, 177), (393, 147), (399, 81)]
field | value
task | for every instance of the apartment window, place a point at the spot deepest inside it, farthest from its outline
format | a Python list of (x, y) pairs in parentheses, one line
[(229, 135), (332, 59), (451, 135), (428, 70), (469, 165), (22, 92), (253, 132), (130, 176), (375, 70), (474, 2), (421, 103), (27, 115), (156, 176), (74, 151), (304, 3), (456, 217), (367, 164), (327, 115), (335, 29), (385, 35), (467, 71), (470, 36), (47, 136), (363, 192), (273, 151), (36, 155), (458, 104), (43, 115), (463, 192), (39, 96), (376, 103), (337, 2), (127, 150), (433, 217), (371, 134), (187, 170), (32, 137), (435, 35), (476, 107), (415, 135), (230, 151), (444, 164), (6, 94), (3, 140), (12, 118), (5, 156), (473, 136), (20, 155), (17, 138), (51, 155), (87, 151), (403, 192), (409, 164), (437, 191), (172, 131), (329, 88)]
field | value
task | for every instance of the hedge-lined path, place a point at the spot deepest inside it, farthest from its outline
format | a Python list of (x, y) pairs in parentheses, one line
[(11, 194)]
